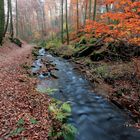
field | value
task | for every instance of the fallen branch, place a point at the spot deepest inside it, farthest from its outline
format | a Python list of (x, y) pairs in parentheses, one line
[(87, 51)]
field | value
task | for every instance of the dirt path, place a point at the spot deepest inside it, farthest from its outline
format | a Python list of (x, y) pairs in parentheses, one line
[(13, 55), (19, 99)]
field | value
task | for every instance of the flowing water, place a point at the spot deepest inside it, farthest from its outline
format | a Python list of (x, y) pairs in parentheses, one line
[(93, 116)]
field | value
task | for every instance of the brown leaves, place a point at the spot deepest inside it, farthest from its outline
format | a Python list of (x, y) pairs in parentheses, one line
[(19, 100)]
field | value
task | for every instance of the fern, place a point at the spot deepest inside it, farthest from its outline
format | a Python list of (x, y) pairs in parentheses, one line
[(61, 112), (17, 131), (66, 107), (33, 121), (69, 132), (20, 122)]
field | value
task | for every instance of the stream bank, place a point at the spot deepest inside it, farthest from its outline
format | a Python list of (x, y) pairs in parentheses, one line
[(113, 77), (92, 115)]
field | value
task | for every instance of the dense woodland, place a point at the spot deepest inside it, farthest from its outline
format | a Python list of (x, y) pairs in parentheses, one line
[(101, 37), (42, 19)]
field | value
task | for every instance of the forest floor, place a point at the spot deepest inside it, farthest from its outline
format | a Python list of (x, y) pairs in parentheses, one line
[(23, 111)]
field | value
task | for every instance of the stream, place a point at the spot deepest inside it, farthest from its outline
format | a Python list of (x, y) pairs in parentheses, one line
[(93, 115)]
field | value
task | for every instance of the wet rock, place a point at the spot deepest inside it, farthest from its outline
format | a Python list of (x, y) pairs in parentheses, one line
[(57, 69), (41, 76), (47, 65), (33, 66), (54, 74), (42, 52), (44, 75), (66, 57)]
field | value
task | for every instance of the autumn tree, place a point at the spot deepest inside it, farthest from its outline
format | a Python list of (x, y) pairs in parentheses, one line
[(124, 22)]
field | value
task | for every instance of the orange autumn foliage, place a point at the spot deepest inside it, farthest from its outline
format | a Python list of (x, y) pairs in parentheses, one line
[(121, 23)]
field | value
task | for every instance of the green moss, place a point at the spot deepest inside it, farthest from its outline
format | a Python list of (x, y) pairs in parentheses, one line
[(56, 47), (102, 71), (87, 62), (53, 44), (92, 40)]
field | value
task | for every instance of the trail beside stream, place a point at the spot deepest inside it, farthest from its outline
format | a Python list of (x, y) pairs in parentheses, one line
[(19, 101)]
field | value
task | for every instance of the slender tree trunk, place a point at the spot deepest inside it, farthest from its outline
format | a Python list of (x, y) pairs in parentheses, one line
[(107, 10), (7, 21), (71, 14), (62, 19), (90, 4), (94, 13), (44, 19), (16, 18), (86, 6), (67, 30), (2, 20), (77, 3), (11, 20)]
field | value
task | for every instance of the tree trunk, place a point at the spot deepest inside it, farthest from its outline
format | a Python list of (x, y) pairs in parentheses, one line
[(67, 30), (62, 18), (44, 19), (94, 13), (11, 20), (107, 10), (90, 3), (2, 20), (7, 21), (16, 18), (86, 6), (77, 3)]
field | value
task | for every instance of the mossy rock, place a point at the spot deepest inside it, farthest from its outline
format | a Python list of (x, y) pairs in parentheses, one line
[(83, 41), (35, 52)]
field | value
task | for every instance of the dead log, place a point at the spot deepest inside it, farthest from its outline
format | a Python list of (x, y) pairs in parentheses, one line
[(90, 48)]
